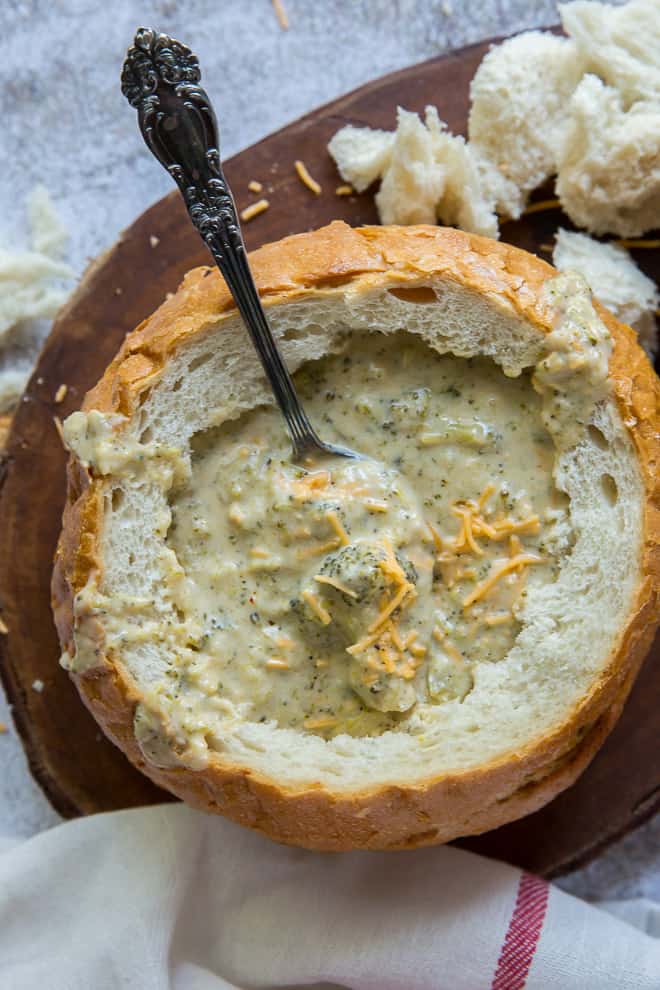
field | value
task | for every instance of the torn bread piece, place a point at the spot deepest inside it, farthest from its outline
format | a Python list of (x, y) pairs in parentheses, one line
[(428, 174), (31, 281), (518, 115), (361, 154), (466, 202), (31, 289), (620, 44), (413, 182), (614, 279), (432, 176), (27, 291), (609, 165), (49, 235)]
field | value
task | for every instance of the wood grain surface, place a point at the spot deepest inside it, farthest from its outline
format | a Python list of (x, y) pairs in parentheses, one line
[(80, 771)]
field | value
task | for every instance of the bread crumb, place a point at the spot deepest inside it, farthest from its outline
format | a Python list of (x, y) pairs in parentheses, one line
[(38, 686), (281, 14), (306, 178), (60, 395), (118, 291), (254, 186), (344, 191), (153, 240), (254, 210), (3, 728), (3, 627)]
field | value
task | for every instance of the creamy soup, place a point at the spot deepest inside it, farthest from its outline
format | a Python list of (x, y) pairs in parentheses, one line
[(336, 595)]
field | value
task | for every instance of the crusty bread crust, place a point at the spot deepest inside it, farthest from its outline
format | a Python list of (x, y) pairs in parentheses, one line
[(443, 807)]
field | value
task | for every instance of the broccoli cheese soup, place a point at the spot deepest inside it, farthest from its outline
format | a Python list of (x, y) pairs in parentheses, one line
[(335, 596)]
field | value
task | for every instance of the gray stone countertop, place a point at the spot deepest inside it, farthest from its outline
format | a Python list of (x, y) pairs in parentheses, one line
[(65, 123)]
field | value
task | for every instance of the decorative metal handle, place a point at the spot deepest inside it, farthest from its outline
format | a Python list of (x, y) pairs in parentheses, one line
[(160, 78)]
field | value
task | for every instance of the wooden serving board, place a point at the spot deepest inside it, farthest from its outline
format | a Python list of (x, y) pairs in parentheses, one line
[(80, 771)]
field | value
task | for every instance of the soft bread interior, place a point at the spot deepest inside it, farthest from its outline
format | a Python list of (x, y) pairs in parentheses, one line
[(570, 628)]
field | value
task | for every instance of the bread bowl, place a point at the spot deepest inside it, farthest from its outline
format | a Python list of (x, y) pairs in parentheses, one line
[(488, 747)]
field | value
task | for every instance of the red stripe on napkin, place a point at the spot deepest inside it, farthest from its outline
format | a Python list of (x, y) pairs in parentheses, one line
[(523, 934)]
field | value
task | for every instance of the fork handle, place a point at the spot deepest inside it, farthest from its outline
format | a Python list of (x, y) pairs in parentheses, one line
[(160, 78)]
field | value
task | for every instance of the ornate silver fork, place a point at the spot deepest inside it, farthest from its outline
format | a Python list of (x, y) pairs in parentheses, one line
[(160, 78)]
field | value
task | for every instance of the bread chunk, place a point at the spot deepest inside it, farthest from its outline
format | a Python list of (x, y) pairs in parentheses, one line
[(609, 164), (615, 279), (361, 154), (620, 44), (518, 117)]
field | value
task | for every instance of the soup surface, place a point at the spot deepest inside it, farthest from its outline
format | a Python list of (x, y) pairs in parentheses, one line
[(337, 595)]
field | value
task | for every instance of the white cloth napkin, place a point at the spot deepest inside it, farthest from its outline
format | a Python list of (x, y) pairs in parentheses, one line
[(167, 897)]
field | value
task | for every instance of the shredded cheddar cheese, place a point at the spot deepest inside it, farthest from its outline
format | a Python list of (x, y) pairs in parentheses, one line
[(317, 608), (308, 487), (254, 209), (467, 536), (305, 177), (254, 186), (285, 642), (498, 571), (437, 539), (335, 583), (373, 505), (236, 515), (338, 527), (452, 652), (281, 14), (319, 548), (277, 663), (639, 242), (543, 204), (497, 619), (404, 591), (345, 190), (396, 637), (323, 722), (58, 426), (515, 546), (486, 494)]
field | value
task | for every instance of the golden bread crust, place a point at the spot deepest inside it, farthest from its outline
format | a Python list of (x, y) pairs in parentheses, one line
[(454, 804)]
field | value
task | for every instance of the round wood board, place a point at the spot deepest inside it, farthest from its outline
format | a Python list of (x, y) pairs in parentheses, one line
[(80, 771)]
